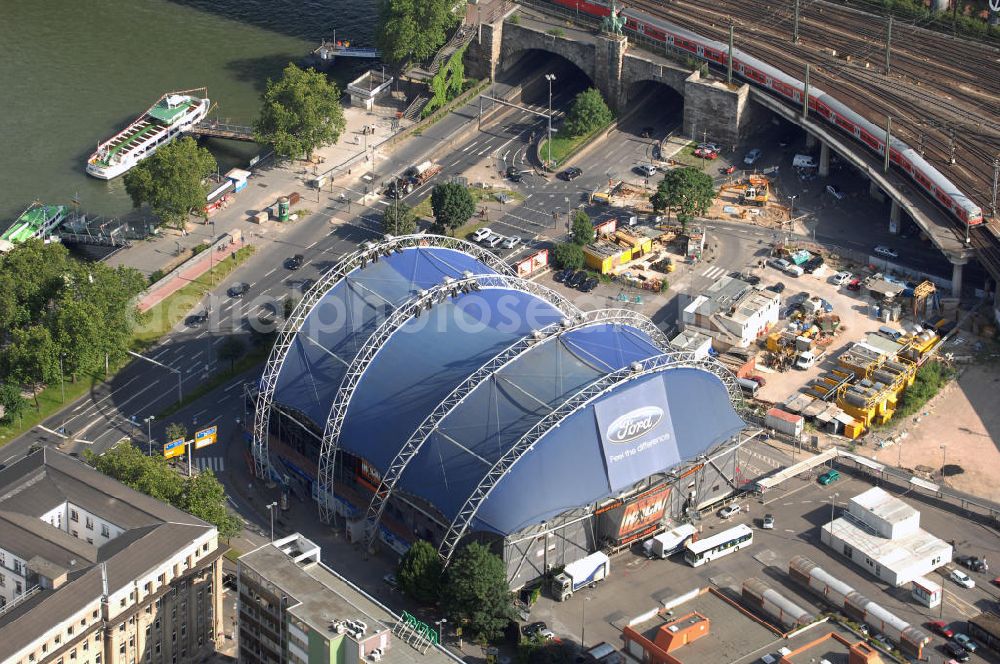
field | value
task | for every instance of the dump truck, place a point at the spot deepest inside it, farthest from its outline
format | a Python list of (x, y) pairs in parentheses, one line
[(580, 574)]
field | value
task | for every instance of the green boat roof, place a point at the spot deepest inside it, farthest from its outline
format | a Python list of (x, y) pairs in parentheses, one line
[(32, 221), (169, 108)]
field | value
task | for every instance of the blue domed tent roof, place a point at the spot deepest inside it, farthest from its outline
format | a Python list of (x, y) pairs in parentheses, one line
[(585, 457)]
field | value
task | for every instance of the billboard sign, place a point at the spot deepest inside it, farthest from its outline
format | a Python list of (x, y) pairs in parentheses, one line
[(205, 437), (637, 433), (646, 511), (174, 448)]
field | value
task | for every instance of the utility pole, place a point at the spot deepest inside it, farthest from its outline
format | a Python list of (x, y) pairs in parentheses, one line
[(888, 44), (729, 60), (996, 182), (795, 25), (951, 145), (888, 139), (548, 143), (805, 92)]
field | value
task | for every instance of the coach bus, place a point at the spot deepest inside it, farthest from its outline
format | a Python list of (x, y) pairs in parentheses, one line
[(720, 544)]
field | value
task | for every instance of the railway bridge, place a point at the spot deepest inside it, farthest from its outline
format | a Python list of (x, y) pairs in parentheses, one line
[(725, 112)]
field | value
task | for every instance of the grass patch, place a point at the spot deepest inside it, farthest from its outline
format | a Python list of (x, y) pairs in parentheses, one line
[(423, 209), (564, 147), (232, 554), (253, 358), (930, 378), (162, 318), (686, 156)]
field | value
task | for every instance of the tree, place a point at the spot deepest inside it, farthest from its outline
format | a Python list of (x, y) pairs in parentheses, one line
[(412, 29), (569, 255), (12, 401), (398, 219), (476, 592), (686, 190), (452, 205), (582, 229), (176, 431), (537, 650), (173, 181), (231, 350), (288, 306), (301, 112), (32, 358), (587, 113), (419, 572), (201, 495)]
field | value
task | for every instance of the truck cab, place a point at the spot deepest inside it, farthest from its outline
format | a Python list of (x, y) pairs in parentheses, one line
[(581, 573)]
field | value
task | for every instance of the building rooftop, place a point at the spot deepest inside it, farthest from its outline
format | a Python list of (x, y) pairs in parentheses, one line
[(46, 480), (293, 564), (884, 506), (750, 303), (722, 295), (895, 554), (689, 339)]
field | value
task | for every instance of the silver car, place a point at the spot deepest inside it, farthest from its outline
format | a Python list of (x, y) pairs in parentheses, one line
[(512, 242)]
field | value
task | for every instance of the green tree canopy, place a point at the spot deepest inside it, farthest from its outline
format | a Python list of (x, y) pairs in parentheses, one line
[(568, 255), (588, 113), (582, 229), (12, 401), (301, 112), (686, 190), (173, 181), (412, 29), (32, 358), (476, 592), (176, 430), (452, 205), (201, 495), (419, 572), (398, 219)]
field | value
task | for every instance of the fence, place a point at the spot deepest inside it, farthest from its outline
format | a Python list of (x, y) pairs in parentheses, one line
[(189, 270)]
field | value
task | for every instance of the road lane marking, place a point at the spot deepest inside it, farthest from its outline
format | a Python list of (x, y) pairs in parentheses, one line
[(238, 383), (272, 271), (54, 433)]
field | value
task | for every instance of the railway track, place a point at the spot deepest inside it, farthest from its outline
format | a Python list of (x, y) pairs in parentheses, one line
[(928, 114)]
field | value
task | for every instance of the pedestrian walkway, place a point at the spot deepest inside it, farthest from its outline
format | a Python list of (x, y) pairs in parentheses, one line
[(712, 272), (215, 464)]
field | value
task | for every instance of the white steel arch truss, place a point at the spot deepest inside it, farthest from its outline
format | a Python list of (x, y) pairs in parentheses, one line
[(399, 317), (581, 399), (509, 355), (294, 323)]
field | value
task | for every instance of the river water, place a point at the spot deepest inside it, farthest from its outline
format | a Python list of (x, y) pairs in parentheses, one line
[(75, 72)]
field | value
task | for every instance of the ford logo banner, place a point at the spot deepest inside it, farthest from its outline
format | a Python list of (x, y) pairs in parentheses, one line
[(634, 424)]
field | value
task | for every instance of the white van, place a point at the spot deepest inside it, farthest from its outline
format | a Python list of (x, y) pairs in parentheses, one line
[(803, 161), (794, 271), (891, 332)]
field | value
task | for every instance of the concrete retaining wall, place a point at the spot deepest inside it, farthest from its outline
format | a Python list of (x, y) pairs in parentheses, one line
[(188, 271)]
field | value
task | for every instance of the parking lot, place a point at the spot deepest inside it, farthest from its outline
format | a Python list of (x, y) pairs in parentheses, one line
[(800, 506)]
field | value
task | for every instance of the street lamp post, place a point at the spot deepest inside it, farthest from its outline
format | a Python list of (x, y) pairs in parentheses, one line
[(833, 503), (944, 448), (62, 380), (550, 78), (270, 508), (791, 209), (440, 635), (149, 433), (583, 623)]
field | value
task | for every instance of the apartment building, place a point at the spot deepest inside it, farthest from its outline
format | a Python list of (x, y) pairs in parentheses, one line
[(294, 609), (92, 572)]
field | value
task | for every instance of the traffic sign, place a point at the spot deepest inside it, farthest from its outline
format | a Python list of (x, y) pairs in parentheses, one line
[(205, 437), (173, 448)]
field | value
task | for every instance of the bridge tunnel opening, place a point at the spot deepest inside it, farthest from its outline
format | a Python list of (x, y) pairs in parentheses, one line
[(651, 110), (529, 69)]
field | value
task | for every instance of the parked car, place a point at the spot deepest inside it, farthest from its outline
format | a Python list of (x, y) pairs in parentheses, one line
[(974, 563), (390, 580), (481, 234), (941, 627), (829, 477), (647, 170), (531, 629), (854, 284), (886, 252), (239, 289), (956, 651), (835, 191), (714, 147), (295, 262), (513, 174), (546, 634), (996, 581), (706, 154), (194, 320), (751, 279), (589, 285), (777, 288), (563, 275), (752, 157), (841, 278), (768, 522), (571, 173), (779, 264), (964, 641), (962, 579), (578, 278), (730, 510), (493, 241), (512, 242), (813, 264)]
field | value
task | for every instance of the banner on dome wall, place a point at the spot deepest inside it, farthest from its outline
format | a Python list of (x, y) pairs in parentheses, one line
[(636, 518), (637, 434)]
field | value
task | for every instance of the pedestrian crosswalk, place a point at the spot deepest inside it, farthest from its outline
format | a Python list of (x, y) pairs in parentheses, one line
[(712, 272), (215, 464)]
